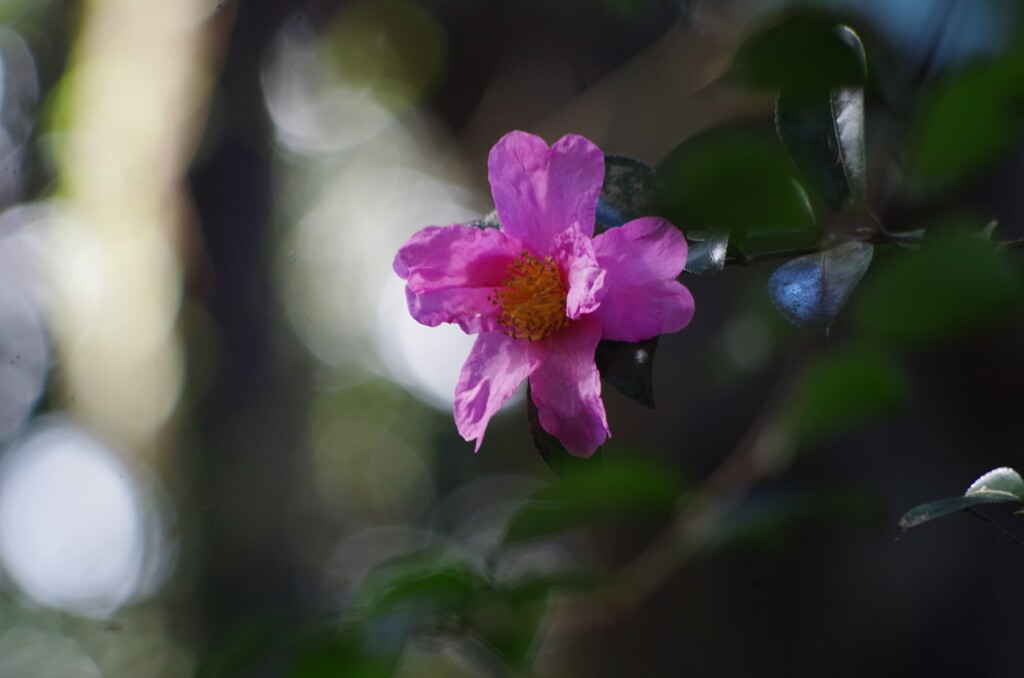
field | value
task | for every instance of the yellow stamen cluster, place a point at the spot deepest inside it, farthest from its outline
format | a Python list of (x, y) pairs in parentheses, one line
[(533, 298)]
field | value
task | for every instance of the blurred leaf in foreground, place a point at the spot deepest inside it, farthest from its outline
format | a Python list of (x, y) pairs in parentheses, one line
[(846, 389), (952, 287), (429, 581), (971, 119), (621, 487), (340, 653)]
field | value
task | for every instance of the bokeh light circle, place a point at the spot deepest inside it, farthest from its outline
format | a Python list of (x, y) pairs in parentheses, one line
[(76, 530)]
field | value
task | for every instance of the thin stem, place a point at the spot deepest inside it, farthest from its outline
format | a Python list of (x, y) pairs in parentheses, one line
[(880, 238), (742, 259), (1002, 530), (764, 451)]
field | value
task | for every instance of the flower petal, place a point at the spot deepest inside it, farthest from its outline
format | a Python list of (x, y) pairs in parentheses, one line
[(496, 366), (452, 270), (539, 191), (585, 280), (566, 386), (643, 258)]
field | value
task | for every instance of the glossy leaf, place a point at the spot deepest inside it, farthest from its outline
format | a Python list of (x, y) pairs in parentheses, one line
[(738, 180), (620, 487), (951, 287), (809, 291), (1002, 485), (629, 367), (628, 191), (823, 131), (802, 50), (968, 121), (554, 454), (1003, 479), (707, 252)]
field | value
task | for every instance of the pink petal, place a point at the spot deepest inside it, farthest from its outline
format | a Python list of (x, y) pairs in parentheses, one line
[(496, 366), (451, 271), (585, 280), (566, 386), (643, 299), (539, 191)]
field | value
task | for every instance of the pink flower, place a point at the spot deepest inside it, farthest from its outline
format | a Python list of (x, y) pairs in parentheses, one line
[(542, 291)]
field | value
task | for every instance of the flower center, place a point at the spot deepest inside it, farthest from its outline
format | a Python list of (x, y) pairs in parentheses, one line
[(533, 298)]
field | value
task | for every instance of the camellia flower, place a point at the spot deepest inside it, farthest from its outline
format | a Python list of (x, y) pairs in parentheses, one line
[(542, 291)]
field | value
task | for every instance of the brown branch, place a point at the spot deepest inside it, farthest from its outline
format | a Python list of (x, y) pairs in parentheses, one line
[(880, 238), (765, 450)]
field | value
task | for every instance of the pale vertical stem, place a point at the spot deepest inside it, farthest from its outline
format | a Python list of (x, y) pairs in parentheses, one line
[(128, 114)]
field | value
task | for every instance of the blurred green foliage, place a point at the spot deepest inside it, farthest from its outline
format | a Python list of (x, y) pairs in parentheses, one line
[(844, 390), (968, 120), (395, 49), (620, 487), (958, 284), (770, 520)]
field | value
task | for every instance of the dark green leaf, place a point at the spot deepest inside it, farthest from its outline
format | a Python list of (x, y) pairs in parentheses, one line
[(618, 488), (508, 621), (628, 191), (707, 251), (342, 654), (968, 121), (554, 454), (426, 581), (440, 589), (948, 289), (629, 367), (1001, 485), (802, 50), (823, 131), (245, 648), (809, 291), (738, 180), (845, 390)]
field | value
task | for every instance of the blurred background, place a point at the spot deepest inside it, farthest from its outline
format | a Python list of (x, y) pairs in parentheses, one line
[(217, 417)]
